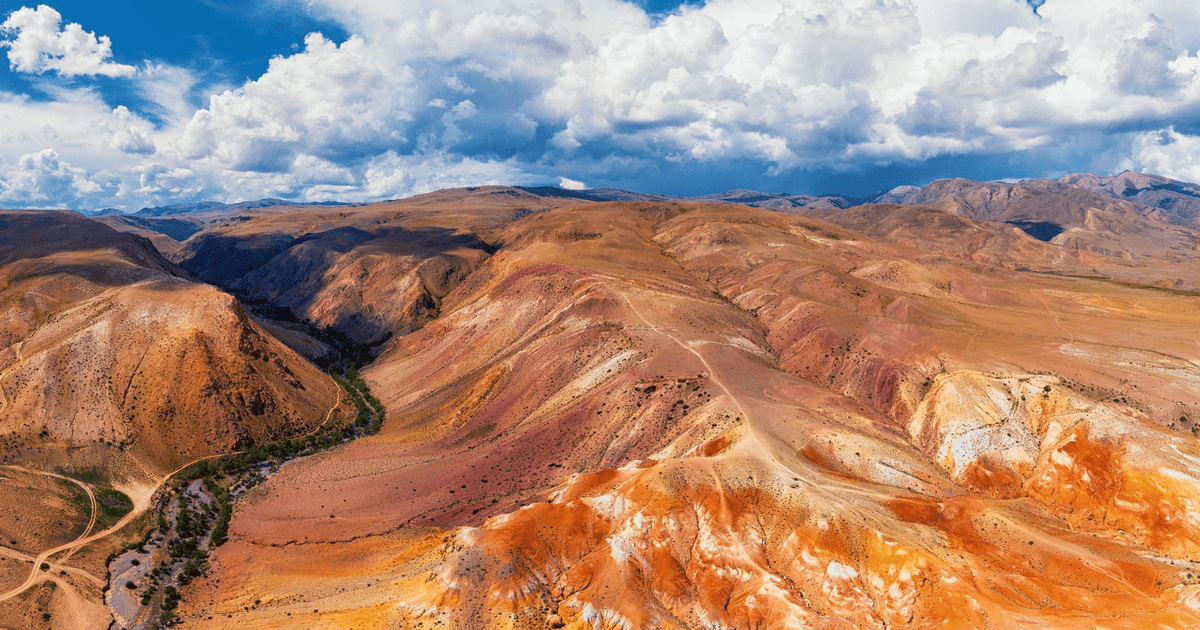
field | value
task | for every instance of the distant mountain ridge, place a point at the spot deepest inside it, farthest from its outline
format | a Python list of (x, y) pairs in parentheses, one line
[(1096, 217), (206, 206), (745, 197), (103, 212), (753, 198), (1179, 201), (1176, 202)]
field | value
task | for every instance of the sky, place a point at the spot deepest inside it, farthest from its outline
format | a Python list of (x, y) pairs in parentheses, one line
[(132, 103)]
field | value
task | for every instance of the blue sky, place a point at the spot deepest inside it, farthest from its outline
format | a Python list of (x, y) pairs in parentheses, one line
[(132, 103), (224, 44)]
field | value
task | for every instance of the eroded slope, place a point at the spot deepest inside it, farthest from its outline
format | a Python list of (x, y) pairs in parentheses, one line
[(365, 273), (112, 358), (721, 416)]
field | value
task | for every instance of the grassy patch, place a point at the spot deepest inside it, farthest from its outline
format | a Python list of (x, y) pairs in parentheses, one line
[(478, 432), (1128, 285), (113, 505), (86, 475), (1134, 285), (79, 500)]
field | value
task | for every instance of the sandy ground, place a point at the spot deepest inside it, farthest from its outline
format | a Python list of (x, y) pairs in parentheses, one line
[(37, 511)]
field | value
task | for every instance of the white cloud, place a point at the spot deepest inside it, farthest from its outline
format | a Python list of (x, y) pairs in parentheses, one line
[(391, 176), (327, 101), (89, 136), (571, 184), (428, 94), (161, 181), (1144, 63), (126, 133), (1166, 153), (41, 179), (78, 125), (42, 43), (167, 88), (789, 83)]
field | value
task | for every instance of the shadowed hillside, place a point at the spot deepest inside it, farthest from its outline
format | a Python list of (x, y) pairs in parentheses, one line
[(657, 415), (115, 358), (364, 273)]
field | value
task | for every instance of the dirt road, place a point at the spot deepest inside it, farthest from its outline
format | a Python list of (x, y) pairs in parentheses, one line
[(79, 607)]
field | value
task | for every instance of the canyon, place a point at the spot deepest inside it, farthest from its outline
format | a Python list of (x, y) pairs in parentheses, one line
[(966, 405)]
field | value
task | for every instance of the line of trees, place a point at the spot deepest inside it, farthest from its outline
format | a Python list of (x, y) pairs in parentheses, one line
[(194, 521)]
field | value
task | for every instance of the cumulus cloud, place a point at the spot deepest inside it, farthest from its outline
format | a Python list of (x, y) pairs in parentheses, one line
[(328, 101), (1167, 153), (392, 175), (157, 181), (37, 42), (125, 132), (793, 85), (1144, 63), (42, 179), (428, 94), (79, 125), (971, 97)]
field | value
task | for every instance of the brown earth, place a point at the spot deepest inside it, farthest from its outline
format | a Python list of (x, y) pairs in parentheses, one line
[(12, 572), (656, 415), (638, 414), (367, 273), (113, 358), (1109, 234), (38, 512), (117, 365)]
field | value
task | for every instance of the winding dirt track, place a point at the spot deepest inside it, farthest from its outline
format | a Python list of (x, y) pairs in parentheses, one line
[(70, 547), (141, 504), (712, 374), (35, 573)]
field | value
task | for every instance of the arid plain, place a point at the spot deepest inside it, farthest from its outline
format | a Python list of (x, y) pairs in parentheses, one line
[(970, 405)]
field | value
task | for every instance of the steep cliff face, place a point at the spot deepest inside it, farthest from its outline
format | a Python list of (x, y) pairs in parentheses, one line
[(114, 358)]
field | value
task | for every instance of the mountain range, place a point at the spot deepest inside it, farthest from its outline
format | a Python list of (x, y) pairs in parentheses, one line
[(963, 405)]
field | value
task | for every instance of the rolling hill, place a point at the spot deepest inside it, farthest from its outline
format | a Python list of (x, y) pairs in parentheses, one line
[(117, 359), (654, 414), (969, 404)]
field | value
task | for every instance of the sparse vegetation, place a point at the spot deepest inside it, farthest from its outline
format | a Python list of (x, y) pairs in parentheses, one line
[(112, 505), (369, 411), (1130, 285), (86, 475), (194, 519)]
